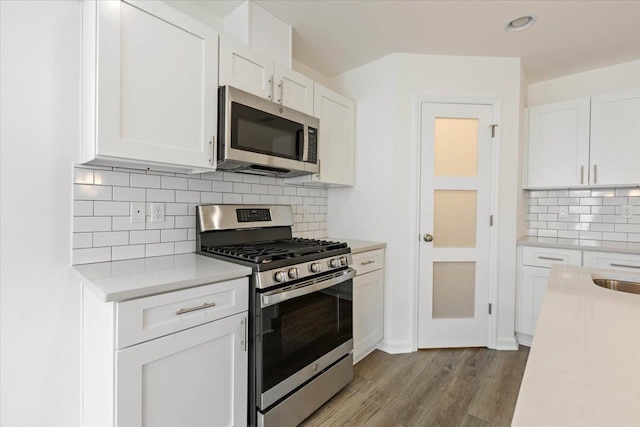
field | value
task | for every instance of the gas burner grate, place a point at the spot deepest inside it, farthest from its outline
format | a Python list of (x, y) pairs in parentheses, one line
[(264, 252)]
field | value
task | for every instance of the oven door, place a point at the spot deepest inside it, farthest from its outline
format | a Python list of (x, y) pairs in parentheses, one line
[(303, 329)]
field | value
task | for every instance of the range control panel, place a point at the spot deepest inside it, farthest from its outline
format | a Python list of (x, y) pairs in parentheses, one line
[(253, 215)]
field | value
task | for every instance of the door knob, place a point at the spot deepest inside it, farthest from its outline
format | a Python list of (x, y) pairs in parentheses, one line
[(427, 238)]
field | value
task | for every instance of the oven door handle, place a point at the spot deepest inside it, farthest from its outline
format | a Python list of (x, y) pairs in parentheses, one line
[(277, 297)]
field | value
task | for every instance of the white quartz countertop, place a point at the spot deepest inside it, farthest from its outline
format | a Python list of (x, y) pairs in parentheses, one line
[(584, 364), (358, 246), (123, 280), (586, 245)]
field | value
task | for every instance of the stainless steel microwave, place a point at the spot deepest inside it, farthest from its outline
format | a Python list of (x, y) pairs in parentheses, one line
[(261, 137)]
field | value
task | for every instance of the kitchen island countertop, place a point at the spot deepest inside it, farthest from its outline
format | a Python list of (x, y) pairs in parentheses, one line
[(136, 278), (583, 365), (358, 246)]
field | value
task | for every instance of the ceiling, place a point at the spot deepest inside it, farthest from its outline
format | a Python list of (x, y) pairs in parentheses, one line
[(569, 36)]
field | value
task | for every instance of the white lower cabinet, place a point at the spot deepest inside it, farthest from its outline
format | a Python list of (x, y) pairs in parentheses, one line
[(368, 302), (190, 369), (534, 266), (612, 260)]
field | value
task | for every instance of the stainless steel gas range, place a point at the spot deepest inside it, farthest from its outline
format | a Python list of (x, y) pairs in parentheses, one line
[(300, 329)]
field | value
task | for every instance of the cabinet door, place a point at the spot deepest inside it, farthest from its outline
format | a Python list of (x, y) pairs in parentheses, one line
[(368, 291), (156, 79), (336, 137), (245, 69), (615, 138), (196, 377), (293, 90), (533, 285), (612, 260), (558, 144)]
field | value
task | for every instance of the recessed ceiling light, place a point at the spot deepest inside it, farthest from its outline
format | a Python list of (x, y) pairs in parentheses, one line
[(520, 23)]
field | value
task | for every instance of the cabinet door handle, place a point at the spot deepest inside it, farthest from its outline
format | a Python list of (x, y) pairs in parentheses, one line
[(550, 258), (624, 265), (582, 174), (190, 309), (243, 343), (595, 174), (367, 262)]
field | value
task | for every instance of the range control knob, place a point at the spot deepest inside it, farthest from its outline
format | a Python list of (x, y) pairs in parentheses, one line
[(315, 267), (293, 273), (280, 276), (343, 260), (334, 263)]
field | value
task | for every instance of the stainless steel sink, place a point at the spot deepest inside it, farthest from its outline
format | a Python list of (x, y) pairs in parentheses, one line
[(618, 285)]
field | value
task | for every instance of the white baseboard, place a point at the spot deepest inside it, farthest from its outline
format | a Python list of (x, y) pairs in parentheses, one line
[(524, 339), (507, 343), (396, 347)]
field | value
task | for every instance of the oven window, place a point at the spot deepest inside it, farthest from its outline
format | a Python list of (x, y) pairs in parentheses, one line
[(296, 332), (260, 132)]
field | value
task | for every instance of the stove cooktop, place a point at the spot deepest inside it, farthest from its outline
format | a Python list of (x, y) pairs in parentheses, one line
[(277, 250)]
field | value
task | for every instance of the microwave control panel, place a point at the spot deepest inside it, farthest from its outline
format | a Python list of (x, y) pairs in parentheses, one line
[(312, 155)]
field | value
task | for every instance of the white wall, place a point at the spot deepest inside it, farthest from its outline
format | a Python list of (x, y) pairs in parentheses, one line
[(383, 205), (39, 130), (595, 82)]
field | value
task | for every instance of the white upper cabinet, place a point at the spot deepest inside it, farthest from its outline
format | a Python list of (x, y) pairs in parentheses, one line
[(293, 90), (250, 71), (615, 138), (558, 149), (586, 142), (245, 69), (336, 136), (150, 77)]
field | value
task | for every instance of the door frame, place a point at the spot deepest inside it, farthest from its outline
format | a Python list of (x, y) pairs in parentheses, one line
[(496, 104)]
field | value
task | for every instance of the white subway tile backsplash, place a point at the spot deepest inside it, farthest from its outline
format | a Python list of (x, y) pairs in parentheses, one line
[(591, 235), (173, 235), (187, 196), (145, 181), (101, 208), (110, 238), (154, 195), (86, 256), (568, 234), (144, 236), (579, 193), (602, 227), (127, 252), (547, 233), (603, 193), (590, 201), (103, 230), (590, 218), (93, 223), (82, 240), (111, 178), (83, 208), (199, 185), (130, 194), (174, 183), (628, 192), (158, 249), (619, 237), (608, 201), (91, 192)]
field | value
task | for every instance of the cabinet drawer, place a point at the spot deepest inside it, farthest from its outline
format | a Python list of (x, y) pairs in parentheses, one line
[(545, 257), (151, 317), (365, 262), (616, 261)]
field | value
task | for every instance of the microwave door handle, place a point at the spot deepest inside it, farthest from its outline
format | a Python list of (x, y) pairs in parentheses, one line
[(277, 297), (305, 143)]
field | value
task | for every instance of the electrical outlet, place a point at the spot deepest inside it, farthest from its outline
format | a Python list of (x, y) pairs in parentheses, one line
[(137, 212), (627, 211), (157, 212), (564, 212)]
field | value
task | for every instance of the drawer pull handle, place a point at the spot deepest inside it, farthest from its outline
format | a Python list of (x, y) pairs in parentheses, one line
[(367, 262), (200, 307), (548, 258), (624, 265)]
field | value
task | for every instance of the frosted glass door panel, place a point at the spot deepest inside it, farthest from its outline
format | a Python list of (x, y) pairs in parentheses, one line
[(454, 222), (456, 147), (454, 290)]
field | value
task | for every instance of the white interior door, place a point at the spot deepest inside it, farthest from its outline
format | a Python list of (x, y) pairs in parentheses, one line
[(455, 209)]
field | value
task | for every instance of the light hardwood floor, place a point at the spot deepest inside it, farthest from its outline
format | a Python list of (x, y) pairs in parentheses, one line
[(447, 387)]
